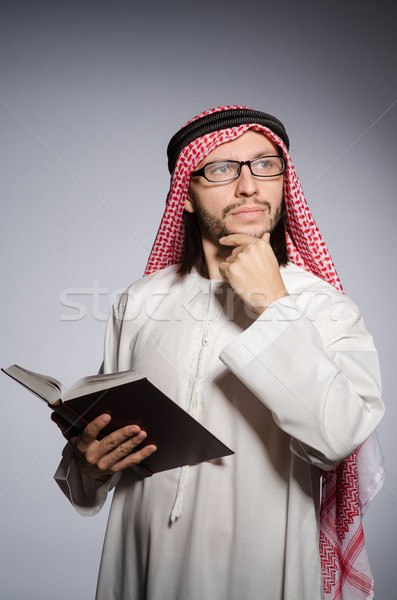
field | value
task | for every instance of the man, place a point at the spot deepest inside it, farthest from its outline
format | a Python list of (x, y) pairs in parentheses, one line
[(241, 321)]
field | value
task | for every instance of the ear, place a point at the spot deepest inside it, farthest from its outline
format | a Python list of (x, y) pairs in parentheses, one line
[(189, 206)]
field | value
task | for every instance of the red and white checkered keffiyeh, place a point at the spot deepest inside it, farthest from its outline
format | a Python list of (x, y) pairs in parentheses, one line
[(349, 488)]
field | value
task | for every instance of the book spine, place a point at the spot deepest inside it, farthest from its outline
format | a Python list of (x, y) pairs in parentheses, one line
[(69, 415)]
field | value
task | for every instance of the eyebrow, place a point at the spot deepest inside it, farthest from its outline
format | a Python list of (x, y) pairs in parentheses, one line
[(263, 154), (268, 153)]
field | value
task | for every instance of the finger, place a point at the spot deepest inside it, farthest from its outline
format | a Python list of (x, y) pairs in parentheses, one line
[(237, 239), (112, 449), (91, 431), (235, 254), (266, 236), (127, 437), (131, 434), (124, 449), (134, 458), (223, 267)]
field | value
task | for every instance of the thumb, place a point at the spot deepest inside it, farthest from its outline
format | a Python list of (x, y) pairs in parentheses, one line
[(266, 236)]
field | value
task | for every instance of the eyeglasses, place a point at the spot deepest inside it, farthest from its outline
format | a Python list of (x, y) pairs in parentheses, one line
[(227, 170)]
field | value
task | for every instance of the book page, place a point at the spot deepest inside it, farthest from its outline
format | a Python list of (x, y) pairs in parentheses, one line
[(44, 386), (101, 381)]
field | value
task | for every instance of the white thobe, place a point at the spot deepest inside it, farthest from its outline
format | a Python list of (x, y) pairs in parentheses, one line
[(292, 392)]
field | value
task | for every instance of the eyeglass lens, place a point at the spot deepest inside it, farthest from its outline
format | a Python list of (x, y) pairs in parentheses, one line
[(268, 166)]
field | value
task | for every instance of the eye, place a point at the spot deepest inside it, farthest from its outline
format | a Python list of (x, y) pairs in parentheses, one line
[(267, 166), (264, 164), (220, 168)]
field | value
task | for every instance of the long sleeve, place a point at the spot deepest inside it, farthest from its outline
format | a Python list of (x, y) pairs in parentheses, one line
[(87, 495), (323, 390)]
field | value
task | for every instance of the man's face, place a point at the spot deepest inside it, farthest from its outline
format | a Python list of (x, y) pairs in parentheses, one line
[(248, 204)]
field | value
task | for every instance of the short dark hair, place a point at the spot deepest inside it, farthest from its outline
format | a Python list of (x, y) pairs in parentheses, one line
[(193, 255)]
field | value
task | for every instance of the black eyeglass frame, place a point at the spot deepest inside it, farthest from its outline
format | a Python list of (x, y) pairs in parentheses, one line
[(241, 163)]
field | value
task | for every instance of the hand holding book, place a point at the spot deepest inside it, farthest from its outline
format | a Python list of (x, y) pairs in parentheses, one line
[(100, 459), (140, 419)]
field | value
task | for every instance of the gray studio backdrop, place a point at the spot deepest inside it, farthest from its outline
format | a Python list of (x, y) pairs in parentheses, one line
[(90, 94)]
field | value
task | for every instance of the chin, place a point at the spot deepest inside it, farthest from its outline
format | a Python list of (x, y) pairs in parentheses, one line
[(256, 232)]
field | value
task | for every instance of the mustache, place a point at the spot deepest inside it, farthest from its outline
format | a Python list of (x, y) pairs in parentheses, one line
[(240, 204)]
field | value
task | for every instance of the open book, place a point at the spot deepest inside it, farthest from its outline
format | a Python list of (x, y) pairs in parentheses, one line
[(130, 399)]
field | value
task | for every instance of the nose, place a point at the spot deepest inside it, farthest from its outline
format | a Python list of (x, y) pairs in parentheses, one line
[(247, 185)]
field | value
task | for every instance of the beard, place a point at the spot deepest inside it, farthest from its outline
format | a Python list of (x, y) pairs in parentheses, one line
[(215, 228)]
